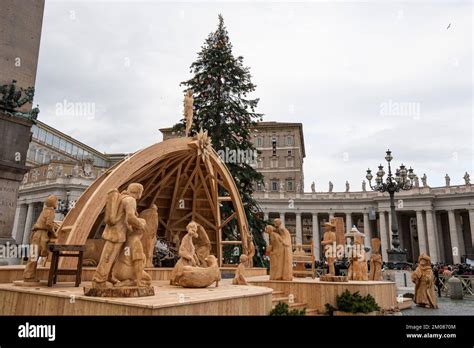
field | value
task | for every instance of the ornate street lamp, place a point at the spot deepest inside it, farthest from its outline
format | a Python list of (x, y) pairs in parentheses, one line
[(402, 180)]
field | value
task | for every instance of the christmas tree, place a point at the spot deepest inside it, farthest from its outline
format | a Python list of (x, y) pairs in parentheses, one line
[(221, 85)]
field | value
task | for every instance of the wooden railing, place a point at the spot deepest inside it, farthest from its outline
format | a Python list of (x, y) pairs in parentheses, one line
[(467, 282)]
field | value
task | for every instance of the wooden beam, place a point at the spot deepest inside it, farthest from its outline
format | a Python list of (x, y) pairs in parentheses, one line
[(226, 221), (175, 194)]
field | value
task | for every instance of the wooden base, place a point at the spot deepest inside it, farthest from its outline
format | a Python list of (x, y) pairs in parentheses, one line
[(8, 274), (227, 299), (332, 278), (30, 284), (316, 293), (120, 292)]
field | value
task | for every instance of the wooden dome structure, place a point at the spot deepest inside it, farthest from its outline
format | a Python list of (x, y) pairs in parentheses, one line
[(185, 178)]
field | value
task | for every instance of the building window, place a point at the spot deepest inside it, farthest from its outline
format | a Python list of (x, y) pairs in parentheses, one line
[(41, 135), (274, 145), (290, 185), (259, 186), (290, 152), (68, 147), (56, 141), (274, 185), (74, 150), (35, 131), (259, 141), (274, 163), (289, 140), (39, 156), (49, 138), (290, 162), (260, 162), (62, 144)]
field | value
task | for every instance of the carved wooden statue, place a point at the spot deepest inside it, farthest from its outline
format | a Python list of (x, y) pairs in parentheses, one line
[(239, 278), (175, 239), (251, 250), (129, 269), (43, 231), (274, 249), (328, 243), (281, 252), (201, 277), (357, 263), (202, 245), (188, 110), (150, 215), (423, 278), (187, 253), (120, 217), (375, 261)]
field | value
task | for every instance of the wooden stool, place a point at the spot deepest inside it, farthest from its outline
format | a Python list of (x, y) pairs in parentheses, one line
[(58, 251)]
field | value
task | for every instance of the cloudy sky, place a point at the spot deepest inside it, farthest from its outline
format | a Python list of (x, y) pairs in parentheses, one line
[(361, 77)]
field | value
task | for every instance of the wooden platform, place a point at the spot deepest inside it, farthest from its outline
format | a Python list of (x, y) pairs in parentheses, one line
[(316, 293), (8, 274), (227, 299)]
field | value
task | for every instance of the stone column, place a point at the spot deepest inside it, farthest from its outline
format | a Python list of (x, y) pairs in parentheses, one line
[(471, 224), (331, 215), (28, 223), (299, 229), (439, 235), (316, 237), (383, 235), (282, 218), (348, 221), (367, 231), (453, 235), (431, 234), (459, 228), (19, 225), (265, 216), (420, 229)]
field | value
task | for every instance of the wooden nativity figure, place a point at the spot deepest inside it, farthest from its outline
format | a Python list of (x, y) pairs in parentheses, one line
[(187, 253), (150, 215), (423, 278), (122, 222), (239, 278), (328, 243), (375, 261), (43, 231)]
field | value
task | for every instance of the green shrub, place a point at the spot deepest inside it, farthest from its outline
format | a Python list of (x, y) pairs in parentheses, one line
[(353, 303), (283, 309)]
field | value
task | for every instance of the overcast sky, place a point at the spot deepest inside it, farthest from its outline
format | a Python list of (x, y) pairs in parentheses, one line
[(361, 77)]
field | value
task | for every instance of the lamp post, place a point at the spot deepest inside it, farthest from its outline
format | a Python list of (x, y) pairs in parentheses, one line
[(64, 206), (402, 180)]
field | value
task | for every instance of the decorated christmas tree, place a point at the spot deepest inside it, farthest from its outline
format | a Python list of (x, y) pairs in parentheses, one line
[(221, 86)]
